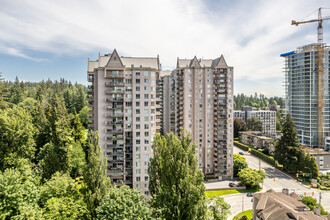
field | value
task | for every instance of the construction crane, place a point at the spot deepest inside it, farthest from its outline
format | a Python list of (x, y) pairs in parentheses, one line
[(319, 60)]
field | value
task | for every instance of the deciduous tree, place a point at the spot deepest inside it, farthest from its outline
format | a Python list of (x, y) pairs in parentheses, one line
[(124, 203), (251, 177), (176, 183)]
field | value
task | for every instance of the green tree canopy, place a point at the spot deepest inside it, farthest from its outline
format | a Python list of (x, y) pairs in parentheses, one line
[(176, 183), (239, 125), (254, 124), (16, 135), (251, 177), (239, 164), (217, 208), (124, 203), (18, 196)]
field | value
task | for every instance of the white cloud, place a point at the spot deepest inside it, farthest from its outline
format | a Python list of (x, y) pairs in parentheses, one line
[(250, 34)]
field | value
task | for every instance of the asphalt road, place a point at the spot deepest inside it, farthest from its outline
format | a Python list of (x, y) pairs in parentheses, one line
[(275, 180)]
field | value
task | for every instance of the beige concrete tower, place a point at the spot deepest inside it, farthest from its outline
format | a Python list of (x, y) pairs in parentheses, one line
[(123, 102), (200, 94)]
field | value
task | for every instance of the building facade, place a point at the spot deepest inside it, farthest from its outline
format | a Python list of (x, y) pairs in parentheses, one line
[(302, 95), (268, 118), (198, 97), (124, 106)]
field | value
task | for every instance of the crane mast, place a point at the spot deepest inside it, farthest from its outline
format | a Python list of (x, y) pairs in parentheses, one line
[(320, 71)]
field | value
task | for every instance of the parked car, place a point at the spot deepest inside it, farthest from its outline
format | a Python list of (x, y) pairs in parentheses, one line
[(231, 184), (240, 153), (239, 184), (249, 194)]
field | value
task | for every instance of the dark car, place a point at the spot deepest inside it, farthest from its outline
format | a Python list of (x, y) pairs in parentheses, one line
[(249, 194), (231, 184), (241, 153)]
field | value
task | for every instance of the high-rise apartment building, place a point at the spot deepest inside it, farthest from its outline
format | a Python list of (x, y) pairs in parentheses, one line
[(124, 111), (302, 99), (198, 97)]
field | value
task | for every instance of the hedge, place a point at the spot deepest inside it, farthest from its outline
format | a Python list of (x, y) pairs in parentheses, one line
[(264, 157), (242, 146)]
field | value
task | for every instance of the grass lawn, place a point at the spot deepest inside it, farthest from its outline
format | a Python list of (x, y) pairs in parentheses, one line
[(230, 191), (248, 213)]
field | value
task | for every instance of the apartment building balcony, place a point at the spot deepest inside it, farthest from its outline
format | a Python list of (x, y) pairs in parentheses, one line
[(114, 84), (117, 122), (114, 91), (115, 99), (114, 131), (90, 78), (116, 175), (115, 146), (117, 160), (115, 154), (114, 74), (112, 115), (111, 107)]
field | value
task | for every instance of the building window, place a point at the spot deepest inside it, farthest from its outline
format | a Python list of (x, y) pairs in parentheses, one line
[(146, 81), (137, 104), (137, 96), (137, 149), (137, 81), (137, 171), (138, 179), (138, 156), (146, 103), (146, 141), (146, 96), (137, 126), (146, 118), (128, 81), (146, 134), (146, 126), (146, 178), (137, 134), (137, 73), (146, 88), (138, 141), (146, 73)]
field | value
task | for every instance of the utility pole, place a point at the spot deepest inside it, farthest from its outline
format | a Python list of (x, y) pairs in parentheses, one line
[(320, 198), (259, 164)]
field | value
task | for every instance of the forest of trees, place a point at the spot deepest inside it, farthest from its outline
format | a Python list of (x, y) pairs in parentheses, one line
[(258, 101), (52, 167)]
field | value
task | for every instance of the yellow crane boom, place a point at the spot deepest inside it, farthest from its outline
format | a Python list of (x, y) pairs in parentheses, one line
[(320, 56)]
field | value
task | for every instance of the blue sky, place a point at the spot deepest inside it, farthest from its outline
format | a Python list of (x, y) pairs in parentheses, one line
[(41, 39)]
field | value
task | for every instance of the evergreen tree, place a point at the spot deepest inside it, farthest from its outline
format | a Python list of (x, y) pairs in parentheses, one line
[(176, 183), (17, 95), (3, 94), (287, 148)]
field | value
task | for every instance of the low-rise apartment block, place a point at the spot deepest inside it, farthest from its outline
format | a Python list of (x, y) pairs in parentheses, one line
[(268, 118)]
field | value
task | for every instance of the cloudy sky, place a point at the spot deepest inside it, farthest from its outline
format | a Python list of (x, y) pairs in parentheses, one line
[(41, 39)]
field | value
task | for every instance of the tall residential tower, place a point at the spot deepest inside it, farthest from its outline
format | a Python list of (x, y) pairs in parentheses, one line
[(123, 101), (198, 97), (302, 93)]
